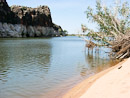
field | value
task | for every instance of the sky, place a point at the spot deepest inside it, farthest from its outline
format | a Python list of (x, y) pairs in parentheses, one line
[(69, 14)]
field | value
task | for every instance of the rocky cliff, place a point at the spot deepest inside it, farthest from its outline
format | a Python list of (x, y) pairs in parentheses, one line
[(33, 16), (6, 15), (21, 21)]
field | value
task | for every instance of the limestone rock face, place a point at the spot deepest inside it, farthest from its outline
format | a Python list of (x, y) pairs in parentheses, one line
[(19, 30), (21, 21), (30, 31)]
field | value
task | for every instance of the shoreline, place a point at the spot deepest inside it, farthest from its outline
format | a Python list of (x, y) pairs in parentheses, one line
[(80, 89)]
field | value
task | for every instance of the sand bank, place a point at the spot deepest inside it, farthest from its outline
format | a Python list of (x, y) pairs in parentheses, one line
[(110, 82)]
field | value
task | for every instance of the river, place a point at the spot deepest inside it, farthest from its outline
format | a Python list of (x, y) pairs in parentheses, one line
[(46, 67)]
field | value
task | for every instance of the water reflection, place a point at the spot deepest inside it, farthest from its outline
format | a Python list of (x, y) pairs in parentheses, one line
[(95, 61), (21, 62), (42, 68)]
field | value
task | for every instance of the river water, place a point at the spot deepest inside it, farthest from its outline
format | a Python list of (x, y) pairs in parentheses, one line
[(46, 67)]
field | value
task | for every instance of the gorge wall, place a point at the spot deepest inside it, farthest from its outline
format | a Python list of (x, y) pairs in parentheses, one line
[(21, 21)]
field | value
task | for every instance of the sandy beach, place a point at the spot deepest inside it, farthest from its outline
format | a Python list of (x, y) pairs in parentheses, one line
[(113, 82)]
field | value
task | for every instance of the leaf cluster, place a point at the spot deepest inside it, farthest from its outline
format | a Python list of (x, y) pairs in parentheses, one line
[(113, 22)]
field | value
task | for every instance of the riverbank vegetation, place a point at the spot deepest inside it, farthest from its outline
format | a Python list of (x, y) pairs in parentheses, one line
[(114, 28)]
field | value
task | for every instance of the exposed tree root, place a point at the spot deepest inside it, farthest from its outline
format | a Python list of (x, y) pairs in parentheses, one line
[(121, 47)]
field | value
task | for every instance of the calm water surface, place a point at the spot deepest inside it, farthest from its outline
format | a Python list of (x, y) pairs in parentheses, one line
[(45, 68)]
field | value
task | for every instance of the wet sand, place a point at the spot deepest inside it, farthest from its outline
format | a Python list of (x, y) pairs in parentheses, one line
[(96, 86)]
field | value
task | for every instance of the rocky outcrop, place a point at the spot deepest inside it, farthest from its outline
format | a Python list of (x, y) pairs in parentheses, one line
[(6, 15), (21, 21), (33, 16), (19, 30)]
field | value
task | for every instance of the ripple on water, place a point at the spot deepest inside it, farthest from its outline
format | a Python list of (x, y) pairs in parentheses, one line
[(31, 68)]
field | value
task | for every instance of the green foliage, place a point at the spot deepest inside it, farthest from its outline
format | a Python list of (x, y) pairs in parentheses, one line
[(65, 32), (60, 30), (24, 8), (112, 23)]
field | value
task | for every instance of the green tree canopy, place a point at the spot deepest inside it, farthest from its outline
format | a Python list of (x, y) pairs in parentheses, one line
[(113, 23)]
